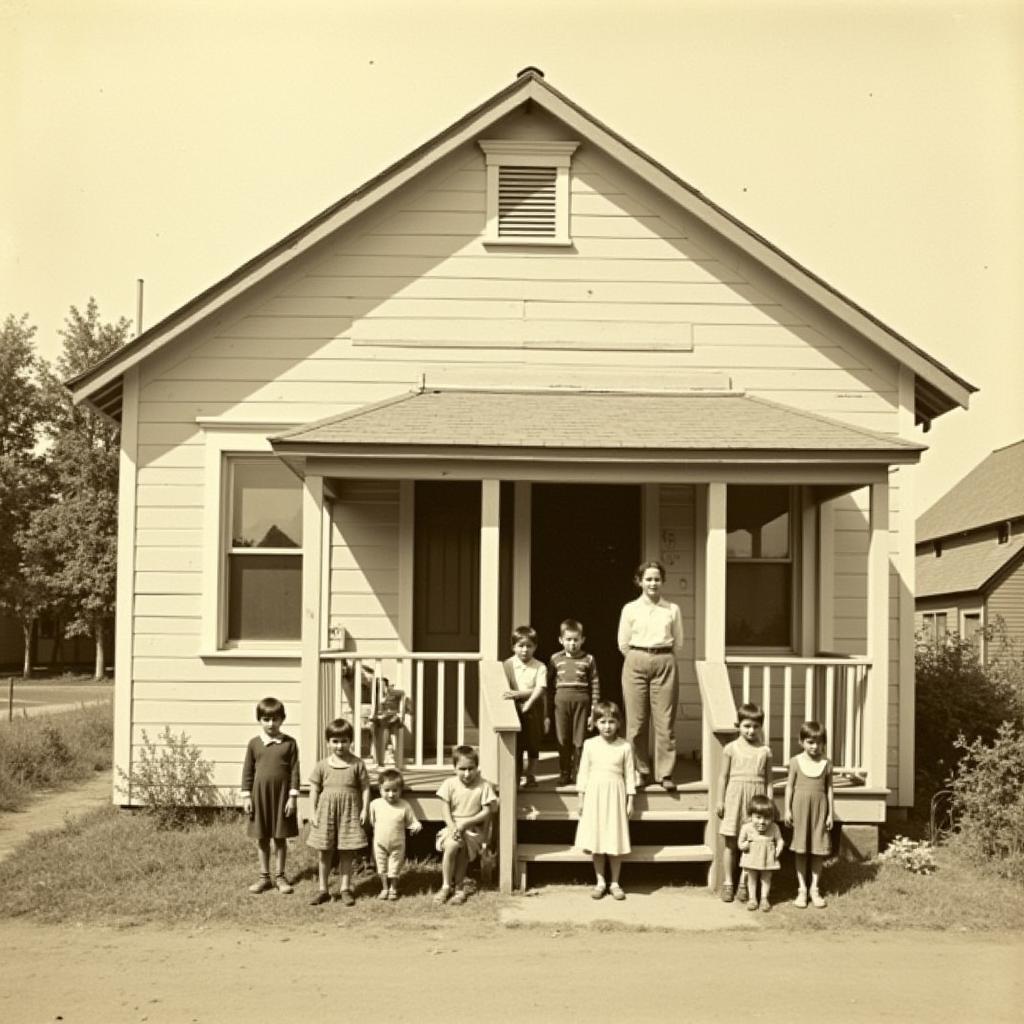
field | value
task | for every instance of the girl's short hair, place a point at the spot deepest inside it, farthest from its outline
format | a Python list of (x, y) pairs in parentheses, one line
[(524, 633), (389, 775), (339, 729), (607, 709), (270, 707), (651, 563), (750, 713), (465, 751), (760, 804), (813, 731), (570, 626)]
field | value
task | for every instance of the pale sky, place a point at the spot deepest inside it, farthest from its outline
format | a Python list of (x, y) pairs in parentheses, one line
[(881, 144)]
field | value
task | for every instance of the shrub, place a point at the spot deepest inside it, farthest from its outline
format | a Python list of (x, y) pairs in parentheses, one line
[(173, 780), (957, 696), (988, 800), (910, 854)]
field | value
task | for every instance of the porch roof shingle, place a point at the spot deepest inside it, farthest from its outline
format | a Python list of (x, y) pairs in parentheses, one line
[(963, 569), (577, 419)]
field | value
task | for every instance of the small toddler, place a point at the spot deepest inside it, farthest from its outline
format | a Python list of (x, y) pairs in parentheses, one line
[(390, 816)]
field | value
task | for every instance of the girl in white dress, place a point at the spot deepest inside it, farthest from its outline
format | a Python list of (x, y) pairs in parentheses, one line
[(606, 784)]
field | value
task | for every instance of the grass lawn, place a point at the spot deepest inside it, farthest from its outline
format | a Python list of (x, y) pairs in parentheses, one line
[(116, 868)]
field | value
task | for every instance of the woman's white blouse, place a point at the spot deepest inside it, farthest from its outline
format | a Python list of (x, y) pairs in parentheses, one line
[(646, 624)]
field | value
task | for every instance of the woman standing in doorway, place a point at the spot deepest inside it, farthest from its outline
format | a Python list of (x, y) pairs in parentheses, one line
[(650, 639)]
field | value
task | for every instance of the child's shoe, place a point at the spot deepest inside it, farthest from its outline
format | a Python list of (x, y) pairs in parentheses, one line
[(751, 903), (597, 892), (818, 900), (458, 898), (323, 896), (346, 897), (616, 891), (383, 894), (443, 894), (392, 894), (530, 782), (728, 894), (262, 884), (801, 900), (283, 885), (765, 906), (742, 895)]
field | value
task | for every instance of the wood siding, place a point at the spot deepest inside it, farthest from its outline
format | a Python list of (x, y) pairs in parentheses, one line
[(1006, 601), (410, 289)]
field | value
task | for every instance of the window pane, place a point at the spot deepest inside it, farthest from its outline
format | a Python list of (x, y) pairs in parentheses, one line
[(266, 505), (264, 597), (758, 605), (757, 521), (972, 623)]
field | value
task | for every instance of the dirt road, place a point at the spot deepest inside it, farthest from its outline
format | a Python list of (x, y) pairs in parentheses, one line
[(78, 975)]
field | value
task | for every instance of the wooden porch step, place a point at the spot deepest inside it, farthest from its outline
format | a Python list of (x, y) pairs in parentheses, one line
[(689, 804), (549, 853)]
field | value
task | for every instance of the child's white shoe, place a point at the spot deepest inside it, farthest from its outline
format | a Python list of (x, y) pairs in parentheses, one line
[(818, 900), (801, 900)]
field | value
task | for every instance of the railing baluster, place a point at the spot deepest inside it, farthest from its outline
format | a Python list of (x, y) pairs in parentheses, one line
[(419, 712), (439, 675), (339, 694), (849, 686), (830, 701), (766, 702), (357, 707), (787, 713), (808, 693), (460, 731), (746, 684)]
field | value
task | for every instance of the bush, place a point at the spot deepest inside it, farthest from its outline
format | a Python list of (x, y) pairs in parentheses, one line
[(910, 854), (988, 801), (173, 780), (957, 696)]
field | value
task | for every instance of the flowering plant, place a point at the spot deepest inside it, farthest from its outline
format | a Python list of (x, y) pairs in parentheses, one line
[(910, 855)]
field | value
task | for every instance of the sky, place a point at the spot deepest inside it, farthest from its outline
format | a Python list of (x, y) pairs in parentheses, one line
[(880, 144)]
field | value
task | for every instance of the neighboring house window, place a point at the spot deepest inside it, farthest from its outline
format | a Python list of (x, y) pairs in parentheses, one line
[(972, 628), (937, 545), (263, 577), (1003, 533), (527, 192), (759, 570), (935, 628)]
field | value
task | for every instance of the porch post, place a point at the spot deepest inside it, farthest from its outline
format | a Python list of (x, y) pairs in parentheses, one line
[(312, 613), (490, 528), (714, 575), (876, 712)]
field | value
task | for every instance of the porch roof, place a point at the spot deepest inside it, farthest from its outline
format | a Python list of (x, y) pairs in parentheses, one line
[(723, 423)]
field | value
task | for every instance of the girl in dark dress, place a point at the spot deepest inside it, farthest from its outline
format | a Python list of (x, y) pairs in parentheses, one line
[(270, 790)]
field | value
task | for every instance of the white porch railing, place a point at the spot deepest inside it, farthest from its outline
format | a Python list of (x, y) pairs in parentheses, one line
[(441, 686), (831, 690)]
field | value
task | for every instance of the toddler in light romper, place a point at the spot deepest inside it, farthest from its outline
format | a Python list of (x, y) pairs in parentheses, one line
[(390, 816)]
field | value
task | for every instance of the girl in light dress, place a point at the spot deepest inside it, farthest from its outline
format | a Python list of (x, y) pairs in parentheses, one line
[(761, 845), (339, 789), (810, 810), (606, 784), (746, 773)]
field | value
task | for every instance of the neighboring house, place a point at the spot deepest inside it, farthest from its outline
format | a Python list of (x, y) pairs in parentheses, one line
[(77, 651), (970, 552), (476, 392)]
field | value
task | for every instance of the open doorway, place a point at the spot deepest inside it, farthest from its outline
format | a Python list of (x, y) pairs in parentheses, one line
[(586, 540)]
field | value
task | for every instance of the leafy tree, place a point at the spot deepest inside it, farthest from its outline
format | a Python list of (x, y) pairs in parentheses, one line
[(80, 530), (24, 482)]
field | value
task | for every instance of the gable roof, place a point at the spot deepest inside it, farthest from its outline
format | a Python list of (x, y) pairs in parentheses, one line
[(685, 425), (992, 492), (963, 569), (937, 388)]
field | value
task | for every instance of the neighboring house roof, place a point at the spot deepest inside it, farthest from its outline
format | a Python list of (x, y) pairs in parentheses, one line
[(681, 423), (963, 569), (937, 388), (992, 492)]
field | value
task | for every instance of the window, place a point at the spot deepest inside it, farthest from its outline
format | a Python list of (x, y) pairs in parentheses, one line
[(263, 552), (1003, 533), (759, 568), (527, 192), (937, 548), (935, 627), (972, 626)]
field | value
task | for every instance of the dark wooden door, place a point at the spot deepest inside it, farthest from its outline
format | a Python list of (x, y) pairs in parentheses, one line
[(586, 543)]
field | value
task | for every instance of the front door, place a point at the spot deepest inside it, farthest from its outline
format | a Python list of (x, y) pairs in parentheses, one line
[(586, 543)]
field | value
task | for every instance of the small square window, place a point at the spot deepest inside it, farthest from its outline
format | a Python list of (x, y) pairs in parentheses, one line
[(1003, 533)]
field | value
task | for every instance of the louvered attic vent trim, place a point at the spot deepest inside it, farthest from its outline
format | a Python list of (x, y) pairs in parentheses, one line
[(527, 192)]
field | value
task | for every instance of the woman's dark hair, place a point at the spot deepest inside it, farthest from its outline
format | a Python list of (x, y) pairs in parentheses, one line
[(651, 563), (750, 712), (270, 707), (813, 731), (760, 804), (339, 729)]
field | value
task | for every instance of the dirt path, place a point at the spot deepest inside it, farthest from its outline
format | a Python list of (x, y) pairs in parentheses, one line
[(48, 810), (82, 975)]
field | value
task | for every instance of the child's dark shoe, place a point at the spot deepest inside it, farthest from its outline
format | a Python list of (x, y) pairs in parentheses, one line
[(262, 884), (728, 894), (346, 897), (283, 885), (320, 898), (741, 892), (530, 782)]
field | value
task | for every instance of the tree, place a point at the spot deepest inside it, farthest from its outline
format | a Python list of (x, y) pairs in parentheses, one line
[(24, 482), (79, 532)]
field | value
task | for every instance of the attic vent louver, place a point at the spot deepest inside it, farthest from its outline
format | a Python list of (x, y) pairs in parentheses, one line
[(527, 192)]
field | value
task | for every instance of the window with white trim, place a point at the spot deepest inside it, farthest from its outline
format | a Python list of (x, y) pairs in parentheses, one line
[(527, 191), (936, 627), (759, 592), (263, 551)]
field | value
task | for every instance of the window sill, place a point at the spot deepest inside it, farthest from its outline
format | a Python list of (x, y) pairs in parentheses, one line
[(289, 653)]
